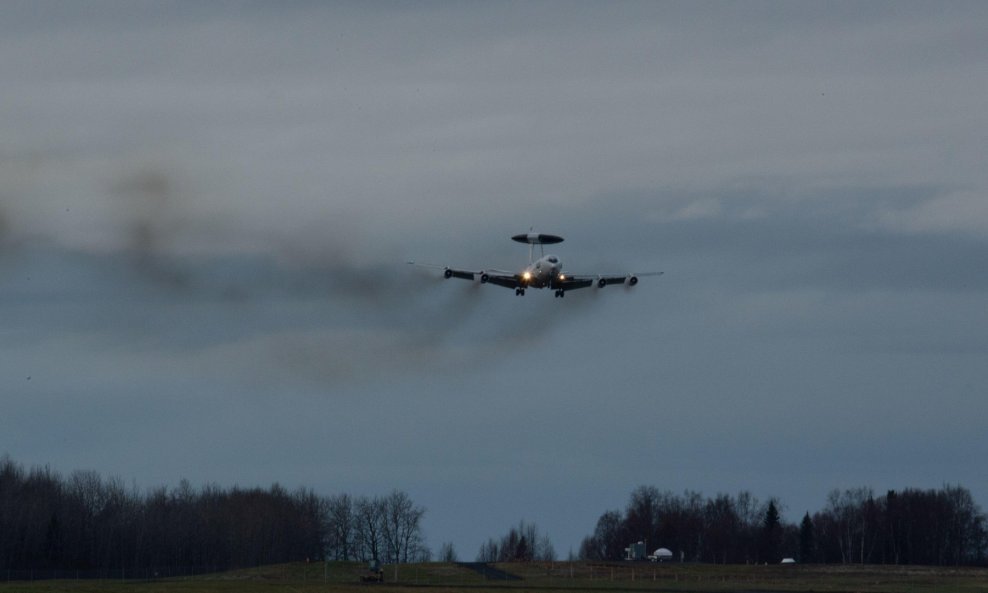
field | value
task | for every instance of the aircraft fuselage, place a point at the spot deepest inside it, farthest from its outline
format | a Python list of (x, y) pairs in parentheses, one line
[(542, 273)]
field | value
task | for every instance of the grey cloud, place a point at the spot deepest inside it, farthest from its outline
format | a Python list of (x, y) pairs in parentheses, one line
[(826, 239)]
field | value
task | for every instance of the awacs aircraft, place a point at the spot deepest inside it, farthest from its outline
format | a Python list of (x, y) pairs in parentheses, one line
[(544, 272)]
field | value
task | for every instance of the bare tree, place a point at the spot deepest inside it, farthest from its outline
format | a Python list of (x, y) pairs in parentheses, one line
[(722, 527), (607, 541), (749, 514), (544, 550), (400, 520), (369, 538), (489, 551), (521, 544), (447, 553), (851, 521), (341, 526)]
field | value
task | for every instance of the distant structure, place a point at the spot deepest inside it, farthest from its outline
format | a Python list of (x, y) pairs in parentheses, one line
[(635, 552), (661, 555)]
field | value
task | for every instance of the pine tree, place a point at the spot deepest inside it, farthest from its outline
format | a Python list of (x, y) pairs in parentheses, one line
[(807, 544), (771, 535)]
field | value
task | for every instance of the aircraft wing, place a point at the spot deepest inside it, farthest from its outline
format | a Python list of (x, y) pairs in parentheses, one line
[(573, 282), (602, 280), (567, 282), (449, 272), (506, 280), (497, 277)]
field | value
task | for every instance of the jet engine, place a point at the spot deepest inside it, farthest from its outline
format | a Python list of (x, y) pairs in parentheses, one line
[(451, 273), (630, 280)]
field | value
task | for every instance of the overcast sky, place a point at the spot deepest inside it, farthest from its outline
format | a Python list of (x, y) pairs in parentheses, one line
[(205, 210)]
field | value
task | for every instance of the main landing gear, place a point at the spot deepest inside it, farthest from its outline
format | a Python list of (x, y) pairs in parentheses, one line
[(560, 293), (519, 292)]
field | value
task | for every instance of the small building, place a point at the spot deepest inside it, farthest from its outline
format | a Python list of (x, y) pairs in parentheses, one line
[(635, 552)]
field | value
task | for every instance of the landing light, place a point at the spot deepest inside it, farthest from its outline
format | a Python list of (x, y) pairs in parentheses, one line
[(527, 276)]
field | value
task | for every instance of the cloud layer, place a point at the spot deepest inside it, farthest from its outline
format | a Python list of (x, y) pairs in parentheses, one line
[(205, 214)]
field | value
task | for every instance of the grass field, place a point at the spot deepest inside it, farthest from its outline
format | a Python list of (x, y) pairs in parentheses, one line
[(555, 577)]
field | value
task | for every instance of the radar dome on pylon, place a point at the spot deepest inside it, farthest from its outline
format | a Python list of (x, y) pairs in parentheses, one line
[(537, 238)]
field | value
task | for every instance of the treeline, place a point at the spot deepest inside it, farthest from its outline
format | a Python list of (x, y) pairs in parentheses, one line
[(938, 527), (912, 526), (85, 522), (524, 543)]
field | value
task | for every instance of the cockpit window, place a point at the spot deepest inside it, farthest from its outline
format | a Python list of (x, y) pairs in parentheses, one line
[(552, 259)]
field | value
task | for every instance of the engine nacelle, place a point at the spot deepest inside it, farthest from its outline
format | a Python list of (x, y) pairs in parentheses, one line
[(447, 273), (484, 278), (632, 280), (608, 280)]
